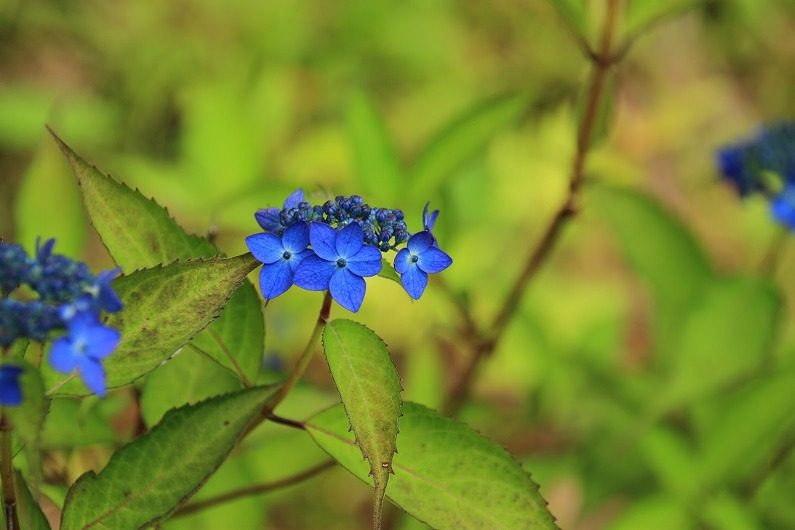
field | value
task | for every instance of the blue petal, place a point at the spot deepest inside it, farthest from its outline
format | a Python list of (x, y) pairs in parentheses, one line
[(62, 355), (82, 324), (366, 262), (419, 242), (93, 375), (434, 260), (268, 219), (347, 289), (275, 278), (349, 240), (323, 239), (267, 248), (10, 391), (296, 259), (414, 281), (294, 199), (783, 207), (314, 273), (296, 238), (43, 252), (107, 297), (429, 220), (102, 342), (402, 260)]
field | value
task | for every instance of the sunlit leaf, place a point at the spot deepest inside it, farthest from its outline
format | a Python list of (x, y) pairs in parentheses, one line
[(28, 510), (149, 478), (370, 389), (446, 474)]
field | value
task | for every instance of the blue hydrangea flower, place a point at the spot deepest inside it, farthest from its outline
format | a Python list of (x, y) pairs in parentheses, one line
[(340, 264), (83, 348), (420, 258), (429, 219), (783, 206), (14, 263), (270, 218), (280, 256), (31, 319), (10, 391)]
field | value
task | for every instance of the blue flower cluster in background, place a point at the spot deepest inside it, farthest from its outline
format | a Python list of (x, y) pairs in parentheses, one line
[(334, 246), (765, 164), (53, 293)]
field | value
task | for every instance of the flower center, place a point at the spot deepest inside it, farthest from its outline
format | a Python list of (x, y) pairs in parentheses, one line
[(286, 254), (341, 263), (415, 258)]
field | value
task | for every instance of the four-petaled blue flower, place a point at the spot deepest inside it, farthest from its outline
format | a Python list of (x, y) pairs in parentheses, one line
[(340, 262), (269, 218), (280, 256), (10, 391), (87, 343), (420, 258)]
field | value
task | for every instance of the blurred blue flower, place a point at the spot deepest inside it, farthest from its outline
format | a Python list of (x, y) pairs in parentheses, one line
[(280, 257), (10, 391), (270, 218), (340, 262), (734, 163), (83, 348), (14, 264), (420, 258), (782, 207)]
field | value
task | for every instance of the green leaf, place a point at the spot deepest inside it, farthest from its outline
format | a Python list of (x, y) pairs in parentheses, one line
[(28, 417), (726, 335), (642, 14), (389, 272), (47, 180), (378, 167), (370, 389), (188, 378), (573, 13), (164, 307), (446, 474), (149, 478), (28, 510), (139, 233), (460, 140)]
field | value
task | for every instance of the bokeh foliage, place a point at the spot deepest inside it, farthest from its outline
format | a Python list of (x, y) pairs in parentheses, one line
[(647, 380)]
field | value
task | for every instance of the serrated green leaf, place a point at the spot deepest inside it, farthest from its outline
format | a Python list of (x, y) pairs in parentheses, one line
[(378, 167), (726, 335), (186, 379), (139, 234), (370, 389), (446, 474), (149, 478), (47, 179), (28, 510), (460, 140), (28, 417), (164, 307)]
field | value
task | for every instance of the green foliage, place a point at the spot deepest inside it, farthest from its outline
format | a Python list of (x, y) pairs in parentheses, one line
[(446, 474), (149, 478), (641, 14), (164, 308), (28, 510), (139, 234), (370, 389), (574, 13)]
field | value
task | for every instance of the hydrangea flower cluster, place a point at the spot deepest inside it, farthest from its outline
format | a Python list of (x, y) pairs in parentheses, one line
[(334, 246), (57, 294), (765, 164)]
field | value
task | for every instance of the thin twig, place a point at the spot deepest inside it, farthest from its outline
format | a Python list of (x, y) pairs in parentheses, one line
[(295, 424), (602, 62), (221, 344), (254, 490)]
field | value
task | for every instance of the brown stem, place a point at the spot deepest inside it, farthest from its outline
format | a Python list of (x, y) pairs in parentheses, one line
[(7, 475), (602, 61), (254, 490)]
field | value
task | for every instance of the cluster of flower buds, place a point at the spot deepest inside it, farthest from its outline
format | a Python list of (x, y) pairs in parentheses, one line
[(765, 164), (337, 244), (48, 294)]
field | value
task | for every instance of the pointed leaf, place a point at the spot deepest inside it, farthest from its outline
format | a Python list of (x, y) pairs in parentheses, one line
[(149, 478), (164, 307), (139, 233), (574, 14), (28, 510), (370, 389), (446, 474), (460, 140), (28, 418), (377, 164)]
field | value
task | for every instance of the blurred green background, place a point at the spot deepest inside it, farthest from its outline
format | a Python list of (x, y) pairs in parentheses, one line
[(648, 380)]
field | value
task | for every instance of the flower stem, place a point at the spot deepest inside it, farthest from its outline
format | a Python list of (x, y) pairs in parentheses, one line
[(602, 61), (306, 357), (7, 475)]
